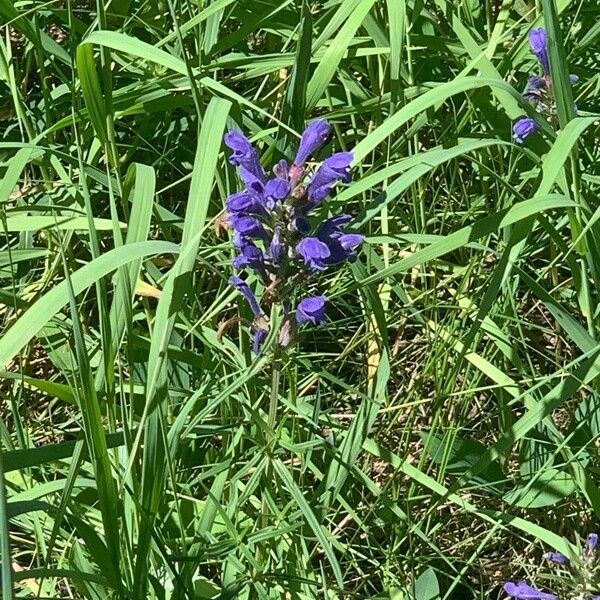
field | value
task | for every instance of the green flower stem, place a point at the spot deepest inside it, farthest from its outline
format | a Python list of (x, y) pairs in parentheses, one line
[(5, 555), (265, 512), (274, 395)]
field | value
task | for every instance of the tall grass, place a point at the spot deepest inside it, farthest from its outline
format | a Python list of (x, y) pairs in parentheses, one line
[(440, 428)]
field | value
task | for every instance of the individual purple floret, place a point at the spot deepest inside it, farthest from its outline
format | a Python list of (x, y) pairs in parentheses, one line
[(247, 226), (273, 233), (250, 256), (311, 310), (277, 250), (260, 335), (557, 557), (277, 189), (523, 128), (524, 591), (592, 542), (244, 203), (536, 82), (333, 169), (312, 139), (245, 290), (534, 92), (538, 40), (314, 253), (341, 245), (245, 157)]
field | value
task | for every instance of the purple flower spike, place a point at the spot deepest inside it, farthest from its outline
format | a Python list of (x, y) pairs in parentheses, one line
[(312, 310), (312, 139), (523, 591), (538, 40), (260, 335), (592, 542), (245, 290), (314, 252), (333, 168), (244, 156), (573, 78), (273, 236), (557, 557), (523, 128)]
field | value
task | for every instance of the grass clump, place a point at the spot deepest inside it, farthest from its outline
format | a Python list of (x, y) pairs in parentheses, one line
[(433, 439)]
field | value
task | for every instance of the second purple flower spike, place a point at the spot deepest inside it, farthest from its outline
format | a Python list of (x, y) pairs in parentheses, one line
[(539, 91), (582, 583)]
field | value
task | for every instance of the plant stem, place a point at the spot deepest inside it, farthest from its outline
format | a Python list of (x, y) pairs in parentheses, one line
[(6, 566), (273, 398), (271, 422)]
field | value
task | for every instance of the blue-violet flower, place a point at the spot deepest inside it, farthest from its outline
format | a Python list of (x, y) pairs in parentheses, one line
[(523, 591), (523, 128), (273, 233), (538, 41), (583, 570), (311, 310), (539, 91)]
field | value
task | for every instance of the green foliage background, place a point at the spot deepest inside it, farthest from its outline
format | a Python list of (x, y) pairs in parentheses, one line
[(433, 440)]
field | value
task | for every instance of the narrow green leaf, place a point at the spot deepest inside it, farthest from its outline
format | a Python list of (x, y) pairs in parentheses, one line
[(310, 517), (34, 223), (438, 94), (295, 99), (92, 92), (561, 83), (477, 231), (42, 311), (329, 64), (547, 488)]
